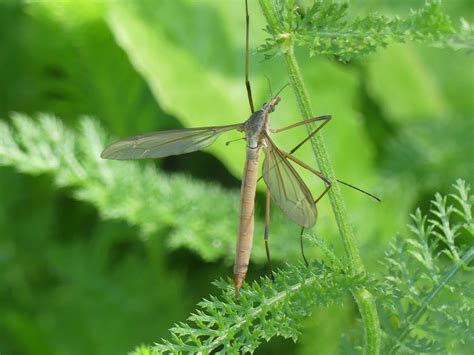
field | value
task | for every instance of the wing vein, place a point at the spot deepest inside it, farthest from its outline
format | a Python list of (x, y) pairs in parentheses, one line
[(287, 188), (165, 143)]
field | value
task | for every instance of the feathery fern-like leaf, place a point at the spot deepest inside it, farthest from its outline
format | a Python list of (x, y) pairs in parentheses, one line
[(428, 309), (263, 311), (325, 28)]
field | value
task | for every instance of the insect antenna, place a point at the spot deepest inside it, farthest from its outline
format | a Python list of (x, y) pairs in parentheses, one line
[(283, 87), (269, 84)]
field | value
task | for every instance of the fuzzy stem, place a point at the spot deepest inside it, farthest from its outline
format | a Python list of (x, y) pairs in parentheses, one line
[(364, 299)]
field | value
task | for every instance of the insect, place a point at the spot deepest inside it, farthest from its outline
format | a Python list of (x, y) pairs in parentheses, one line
[(284, 185)]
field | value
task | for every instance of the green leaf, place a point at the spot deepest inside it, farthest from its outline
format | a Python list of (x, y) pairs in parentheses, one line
[(417, 156), (399, 80), (78, 70), (430, 307), (325, 28), (262, 312)]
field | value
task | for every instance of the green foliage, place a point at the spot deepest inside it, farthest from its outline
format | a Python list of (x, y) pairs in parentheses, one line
[(326, 28), (429, 310), (424, 308), (74, 275), (79, 70), (417, 144), (263, 311)]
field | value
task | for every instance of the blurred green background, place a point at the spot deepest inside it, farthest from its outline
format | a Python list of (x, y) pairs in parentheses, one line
[(74, 283)]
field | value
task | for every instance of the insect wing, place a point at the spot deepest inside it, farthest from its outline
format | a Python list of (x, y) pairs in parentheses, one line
[(287, 188), (165, 143)]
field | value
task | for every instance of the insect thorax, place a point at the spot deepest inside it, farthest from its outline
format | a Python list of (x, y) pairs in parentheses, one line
[(254, 127)]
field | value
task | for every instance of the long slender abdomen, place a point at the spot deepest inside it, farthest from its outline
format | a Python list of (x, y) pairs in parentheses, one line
[(246, 226)]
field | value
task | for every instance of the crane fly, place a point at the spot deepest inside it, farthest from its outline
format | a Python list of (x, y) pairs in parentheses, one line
[(284, 186)]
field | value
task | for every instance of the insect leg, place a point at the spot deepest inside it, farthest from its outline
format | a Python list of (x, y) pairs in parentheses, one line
[(307, 167), (301, 245), (247, 82), (322, 177), (325, 118), (267, 225), (298, 146)]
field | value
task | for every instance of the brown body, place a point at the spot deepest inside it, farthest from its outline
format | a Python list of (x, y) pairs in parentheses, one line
[(246, 226), (254, 128)]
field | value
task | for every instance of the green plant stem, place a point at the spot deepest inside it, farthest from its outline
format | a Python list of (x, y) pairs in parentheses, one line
[(322, 157), (364, 299)]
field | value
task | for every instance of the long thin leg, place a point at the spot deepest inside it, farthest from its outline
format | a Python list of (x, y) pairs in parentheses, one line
[(326, 118), (322, 177), (298, 146), (295, 148), (247, 82), (267, 225), (307, 167), (289, 155), (302, 249), (359, 189)]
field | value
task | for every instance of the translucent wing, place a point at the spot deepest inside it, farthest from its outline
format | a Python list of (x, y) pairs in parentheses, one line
[(165, 143), (287, 188)]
